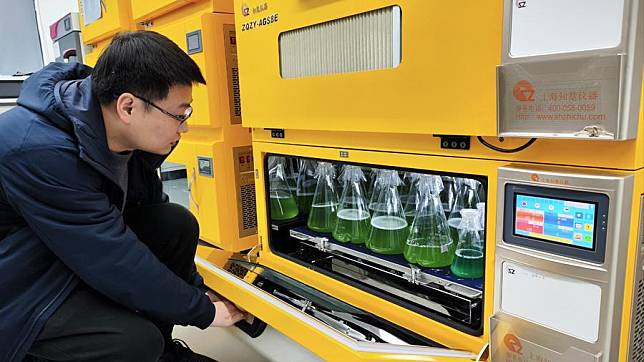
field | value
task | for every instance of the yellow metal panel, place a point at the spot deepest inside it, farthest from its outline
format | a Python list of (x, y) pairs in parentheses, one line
[(148, 10), (446, 83), (116, 17), (622, 155), (295, 328), (220, 56), (223, 6), (144, 10), (211, 102), (215, 256), (213, 200)]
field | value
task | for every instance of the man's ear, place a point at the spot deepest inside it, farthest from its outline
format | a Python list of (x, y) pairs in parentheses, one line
[(125, 107)]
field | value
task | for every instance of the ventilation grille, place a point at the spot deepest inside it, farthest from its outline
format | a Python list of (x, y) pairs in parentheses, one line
[(636, 350), (236, 97), (362, 42), (637, 342), (237, 270), (249, 213)]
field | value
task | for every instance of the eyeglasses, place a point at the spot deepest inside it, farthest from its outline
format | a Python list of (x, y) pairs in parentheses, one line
[(181, 118)]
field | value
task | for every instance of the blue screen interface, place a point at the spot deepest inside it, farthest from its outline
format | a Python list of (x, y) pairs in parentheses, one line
[(556, 220)]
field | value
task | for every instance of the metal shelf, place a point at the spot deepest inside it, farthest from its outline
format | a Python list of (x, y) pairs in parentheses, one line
[(393, 265)]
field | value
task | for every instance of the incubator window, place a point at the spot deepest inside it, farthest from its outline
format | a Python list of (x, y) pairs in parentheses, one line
[(414, 237)]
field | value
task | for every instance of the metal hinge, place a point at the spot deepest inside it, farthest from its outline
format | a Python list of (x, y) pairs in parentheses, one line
[(253, 253)]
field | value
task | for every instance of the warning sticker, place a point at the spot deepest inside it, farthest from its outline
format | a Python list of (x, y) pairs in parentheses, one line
[(561, 96)]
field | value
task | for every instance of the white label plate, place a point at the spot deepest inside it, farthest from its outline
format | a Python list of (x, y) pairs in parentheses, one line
[(560, 26), (564, 304)]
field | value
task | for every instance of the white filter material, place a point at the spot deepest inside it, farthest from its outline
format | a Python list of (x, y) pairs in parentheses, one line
[(363, 42)]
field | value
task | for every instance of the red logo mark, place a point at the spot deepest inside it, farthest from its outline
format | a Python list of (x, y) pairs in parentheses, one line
[(512, 343), (523, 91)]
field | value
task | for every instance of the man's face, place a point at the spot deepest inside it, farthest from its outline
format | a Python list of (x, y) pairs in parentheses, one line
[(156, 132)]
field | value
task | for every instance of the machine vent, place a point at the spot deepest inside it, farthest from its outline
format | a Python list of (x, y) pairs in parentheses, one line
[(236, 97), (362, 42), (636, 349), (249, 213), (637, 342), (236, 270)]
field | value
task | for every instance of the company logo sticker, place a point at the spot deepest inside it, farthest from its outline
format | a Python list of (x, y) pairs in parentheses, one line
[(523, 91), (512, 343)]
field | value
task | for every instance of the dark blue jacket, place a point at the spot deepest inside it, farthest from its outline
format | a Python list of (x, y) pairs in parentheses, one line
[(60, 217)]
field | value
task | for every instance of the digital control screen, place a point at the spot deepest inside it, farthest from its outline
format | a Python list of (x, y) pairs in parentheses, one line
[(561, 221)]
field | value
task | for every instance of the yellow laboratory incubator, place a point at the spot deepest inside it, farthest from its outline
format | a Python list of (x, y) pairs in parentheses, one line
[(443, 181), (435, 181)]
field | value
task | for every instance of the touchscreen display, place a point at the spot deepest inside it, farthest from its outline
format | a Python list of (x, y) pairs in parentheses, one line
[(556, 220)]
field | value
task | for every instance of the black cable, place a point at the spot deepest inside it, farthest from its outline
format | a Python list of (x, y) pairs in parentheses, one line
[(506, 150)]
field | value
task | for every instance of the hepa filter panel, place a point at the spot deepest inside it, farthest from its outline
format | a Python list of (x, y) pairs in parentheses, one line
[(362, 42)]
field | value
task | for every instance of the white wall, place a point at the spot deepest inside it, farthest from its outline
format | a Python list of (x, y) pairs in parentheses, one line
[(47, 12), (19, 38)]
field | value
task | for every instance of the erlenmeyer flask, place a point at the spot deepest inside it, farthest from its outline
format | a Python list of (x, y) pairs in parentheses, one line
[(408, 179), (449, 192), (367, 174), (291, 170), (282, 201), (436, 189), (322, 217), (466, 198), (481, 191), (306, 183), (377, 186), (353, 214), (412, 196), (480, 207), (339, 182), (468, 258), (429, 243), (371, 179), (388, 231)]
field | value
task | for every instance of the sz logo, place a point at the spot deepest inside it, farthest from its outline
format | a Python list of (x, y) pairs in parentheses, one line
[(521, 4), (534, 177), (523, 91), (512, 343), (245, 9)]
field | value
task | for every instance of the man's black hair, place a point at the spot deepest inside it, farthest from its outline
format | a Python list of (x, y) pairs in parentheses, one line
[(145, 63)]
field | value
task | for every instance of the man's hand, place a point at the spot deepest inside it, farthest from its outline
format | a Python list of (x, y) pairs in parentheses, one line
[(212, 296), (226, 314)]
